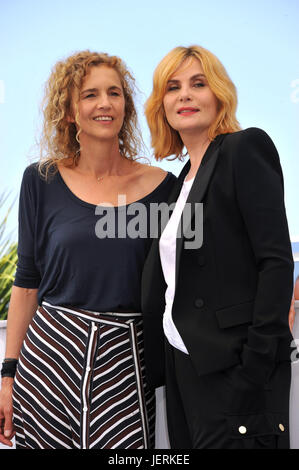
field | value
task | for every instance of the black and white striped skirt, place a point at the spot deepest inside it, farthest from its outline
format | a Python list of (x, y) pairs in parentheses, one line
[(80, 382)]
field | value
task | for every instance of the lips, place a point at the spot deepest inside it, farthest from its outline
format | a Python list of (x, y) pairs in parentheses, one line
[(187, 110), (103, 118)]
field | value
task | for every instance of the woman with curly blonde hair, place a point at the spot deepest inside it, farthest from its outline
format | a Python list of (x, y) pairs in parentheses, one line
[(74, 374), (60, 138)]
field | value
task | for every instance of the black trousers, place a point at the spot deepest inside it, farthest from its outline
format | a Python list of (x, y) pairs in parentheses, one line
[(221, 411)]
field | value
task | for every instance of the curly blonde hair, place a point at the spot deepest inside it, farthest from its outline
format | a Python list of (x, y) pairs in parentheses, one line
[(59, 141), (165, 140)]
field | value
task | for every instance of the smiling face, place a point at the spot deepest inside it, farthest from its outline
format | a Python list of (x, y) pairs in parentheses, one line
[(190, 105), (101, 105)]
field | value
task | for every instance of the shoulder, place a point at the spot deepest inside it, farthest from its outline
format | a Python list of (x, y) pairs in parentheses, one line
[(151, 177), (31, 170), (252, 152), (31, 176), (153, 173), (33, 180), (250, 137), (250, 144)]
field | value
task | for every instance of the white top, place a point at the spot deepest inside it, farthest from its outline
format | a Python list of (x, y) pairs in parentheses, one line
[(167, 248)]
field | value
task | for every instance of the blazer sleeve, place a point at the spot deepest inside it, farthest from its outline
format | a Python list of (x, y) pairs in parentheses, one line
[(260, 196)]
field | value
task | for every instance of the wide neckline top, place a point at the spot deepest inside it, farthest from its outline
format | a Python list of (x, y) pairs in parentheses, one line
[(93, 206)]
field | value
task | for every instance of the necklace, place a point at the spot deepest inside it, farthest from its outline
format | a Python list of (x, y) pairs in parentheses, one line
[(99, 178)]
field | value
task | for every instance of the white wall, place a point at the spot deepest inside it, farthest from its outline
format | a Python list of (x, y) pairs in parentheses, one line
[(162, 441)]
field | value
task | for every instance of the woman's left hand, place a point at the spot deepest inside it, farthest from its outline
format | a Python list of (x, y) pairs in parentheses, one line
[(292, 314)]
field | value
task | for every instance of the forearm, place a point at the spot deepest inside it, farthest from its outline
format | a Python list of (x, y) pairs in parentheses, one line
[(23, 305)]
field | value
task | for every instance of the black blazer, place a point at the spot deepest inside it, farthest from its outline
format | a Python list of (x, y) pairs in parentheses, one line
[(232, 294)]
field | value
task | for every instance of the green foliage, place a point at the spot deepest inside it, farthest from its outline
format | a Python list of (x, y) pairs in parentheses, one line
[(8, 262)]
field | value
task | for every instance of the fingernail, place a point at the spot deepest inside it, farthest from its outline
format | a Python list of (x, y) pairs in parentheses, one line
[(7, 433)]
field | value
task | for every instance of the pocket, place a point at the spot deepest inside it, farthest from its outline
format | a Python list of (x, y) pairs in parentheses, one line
[(257, 425), (235, 315)]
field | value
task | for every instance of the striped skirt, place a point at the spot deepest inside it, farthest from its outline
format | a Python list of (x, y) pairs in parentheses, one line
[(80, 382)]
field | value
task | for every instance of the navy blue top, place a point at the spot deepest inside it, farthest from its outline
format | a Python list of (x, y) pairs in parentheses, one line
[(60, 251)]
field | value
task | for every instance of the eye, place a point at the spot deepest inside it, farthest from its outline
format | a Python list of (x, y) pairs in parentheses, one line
[(199, 84), (172, 88), (90, 95)]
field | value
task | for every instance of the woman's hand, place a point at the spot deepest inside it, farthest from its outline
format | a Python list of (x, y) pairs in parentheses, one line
[(292, 314), (6, 426)]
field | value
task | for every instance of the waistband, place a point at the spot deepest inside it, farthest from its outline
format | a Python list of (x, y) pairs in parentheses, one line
[(92, 315)]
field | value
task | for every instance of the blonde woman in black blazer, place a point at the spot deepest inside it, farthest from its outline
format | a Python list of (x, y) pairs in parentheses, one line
[(223, 301)]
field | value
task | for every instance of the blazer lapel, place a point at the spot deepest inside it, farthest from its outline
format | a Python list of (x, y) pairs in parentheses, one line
[(165, 214), (173, 197), (198, 190), (152, 272)]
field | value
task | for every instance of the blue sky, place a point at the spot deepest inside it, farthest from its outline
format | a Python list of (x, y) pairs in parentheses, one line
[(256, 40)]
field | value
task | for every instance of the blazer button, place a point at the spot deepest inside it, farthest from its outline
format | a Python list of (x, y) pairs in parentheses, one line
[(199, 303), (242, 430)]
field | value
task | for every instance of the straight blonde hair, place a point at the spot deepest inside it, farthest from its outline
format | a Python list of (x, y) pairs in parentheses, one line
[(165, 140)]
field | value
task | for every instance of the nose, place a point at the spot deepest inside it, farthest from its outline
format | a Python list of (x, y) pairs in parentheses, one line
[(185, 94), (103, 101)]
